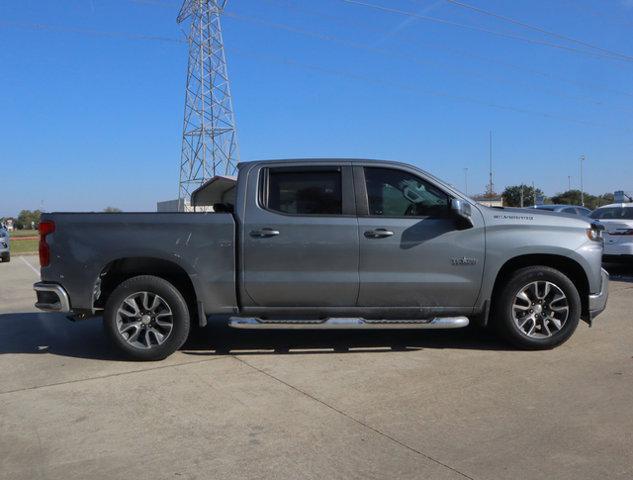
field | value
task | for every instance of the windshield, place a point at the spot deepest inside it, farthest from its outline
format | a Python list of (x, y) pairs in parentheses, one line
[(613, 213)]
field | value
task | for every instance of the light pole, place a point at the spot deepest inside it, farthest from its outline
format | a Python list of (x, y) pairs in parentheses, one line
[(466, 180), (568, 182), (582, 189)]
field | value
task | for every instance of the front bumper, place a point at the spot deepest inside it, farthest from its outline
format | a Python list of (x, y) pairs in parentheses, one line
[(618, 248), (598, 301), (51, 297)]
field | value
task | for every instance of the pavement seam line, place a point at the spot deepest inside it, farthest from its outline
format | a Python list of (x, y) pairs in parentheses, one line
[(35, 270), (355, 420), (159, 367)]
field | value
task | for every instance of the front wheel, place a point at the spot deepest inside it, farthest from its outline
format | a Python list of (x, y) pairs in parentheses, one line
[(6, 257), (538, 308), (146, 318)]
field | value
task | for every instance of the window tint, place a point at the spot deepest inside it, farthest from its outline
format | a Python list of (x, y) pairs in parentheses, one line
[(569, 210), (394, 193), (316, 192), (613, 213)]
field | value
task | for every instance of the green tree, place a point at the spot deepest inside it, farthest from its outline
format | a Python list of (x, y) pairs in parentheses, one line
[(570, 197), (28, 219), (607, 198), (112, 210), (573, 197), (512, 195)]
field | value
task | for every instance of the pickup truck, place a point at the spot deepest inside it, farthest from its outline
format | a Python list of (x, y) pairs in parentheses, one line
[(323, 244)]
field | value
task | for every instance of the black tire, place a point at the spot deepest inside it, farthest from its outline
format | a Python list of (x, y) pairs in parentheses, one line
[(503, 311), (6, 257), (179, 318)]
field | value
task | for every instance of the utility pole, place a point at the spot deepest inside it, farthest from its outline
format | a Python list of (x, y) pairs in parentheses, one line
[(568, 182), (466, 180), (582, 188), (209, 140), (521, 196), (490, 189)]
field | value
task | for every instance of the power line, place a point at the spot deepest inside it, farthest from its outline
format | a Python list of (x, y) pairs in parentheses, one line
[(414, 88), (537, 29), (393, 54), (409, 88), (85, 31), (485, 30), (465, 54), (505, 64)]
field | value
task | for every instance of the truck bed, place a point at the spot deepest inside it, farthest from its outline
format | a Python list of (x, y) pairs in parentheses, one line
[(83, 245)]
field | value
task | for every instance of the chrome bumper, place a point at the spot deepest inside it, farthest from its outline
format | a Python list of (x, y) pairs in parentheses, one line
[(598, 301), (51, 297)]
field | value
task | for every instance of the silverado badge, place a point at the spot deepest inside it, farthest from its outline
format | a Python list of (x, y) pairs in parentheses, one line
[(463, 261)]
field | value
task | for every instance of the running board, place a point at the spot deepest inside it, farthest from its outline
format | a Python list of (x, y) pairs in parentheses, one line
[(347, 323)]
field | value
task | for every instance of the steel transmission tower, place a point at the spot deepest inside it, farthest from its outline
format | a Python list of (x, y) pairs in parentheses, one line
[(209, 141)]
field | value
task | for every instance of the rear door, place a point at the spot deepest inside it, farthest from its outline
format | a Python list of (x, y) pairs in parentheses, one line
[(300, 237), (413, 251)]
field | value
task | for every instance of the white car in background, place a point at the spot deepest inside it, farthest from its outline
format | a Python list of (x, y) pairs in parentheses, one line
[(617, 219), (5, 254)]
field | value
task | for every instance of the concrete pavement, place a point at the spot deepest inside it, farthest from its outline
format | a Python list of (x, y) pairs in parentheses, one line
[(235, 405)]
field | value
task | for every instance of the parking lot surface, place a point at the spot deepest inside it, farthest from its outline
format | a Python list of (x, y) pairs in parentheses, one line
[(247, 405)]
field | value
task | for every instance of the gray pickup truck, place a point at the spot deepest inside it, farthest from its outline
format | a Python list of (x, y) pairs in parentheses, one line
[(323, 244)]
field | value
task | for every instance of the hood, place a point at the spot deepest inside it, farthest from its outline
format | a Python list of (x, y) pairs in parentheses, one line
[(532, 216), (616, 224)]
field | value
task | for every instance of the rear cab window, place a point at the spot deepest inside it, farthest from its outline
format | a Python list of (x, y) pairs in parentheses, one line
[(303, 191)]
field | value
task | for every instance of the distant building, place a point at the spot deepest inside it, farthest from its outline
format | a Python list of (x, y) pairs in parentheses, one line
[(489, 201), (620, 196), (178, 205)]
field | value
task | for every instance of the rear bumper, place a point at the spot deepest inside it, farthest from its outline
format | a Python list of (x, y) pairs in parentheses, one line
[(598, 301), (51, 297)]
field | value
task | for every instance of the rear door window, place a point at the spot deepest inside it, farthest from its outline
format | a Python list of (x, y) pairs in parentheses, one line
[(304, 192)]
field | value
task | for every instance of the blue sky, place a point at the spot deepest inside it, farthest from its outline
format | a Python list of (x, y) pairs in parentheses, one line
[(92, 101)]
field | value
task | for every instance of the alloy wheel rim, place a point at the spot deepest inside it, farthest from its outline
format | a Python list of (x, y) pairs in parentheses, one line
[(540, 309), (144, 320)]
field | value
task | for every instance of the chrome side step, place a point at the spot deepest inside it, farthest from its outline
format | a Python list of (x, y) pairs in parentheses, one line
[(337, 323)]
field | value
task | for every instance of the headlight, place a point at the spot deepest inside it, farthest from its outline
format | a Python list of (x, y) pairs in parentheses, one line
[(595, 232)]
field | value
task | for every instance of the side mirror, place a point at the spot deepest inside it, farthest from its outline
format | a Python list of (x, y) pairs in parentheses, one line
[(462, 212)]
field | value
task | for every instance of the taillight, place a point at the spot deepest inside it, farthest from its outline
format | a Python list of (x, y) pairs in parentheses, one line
[(46, 227)]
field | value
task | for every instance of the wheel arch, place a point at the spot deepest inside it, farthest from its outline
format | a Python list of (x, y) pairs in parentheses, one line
[(568, 266), (117, 271)]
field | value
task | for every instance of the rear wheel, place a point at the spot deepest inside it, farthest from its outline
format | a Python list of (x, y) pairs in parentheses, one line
[(538, 308), (147, 318)]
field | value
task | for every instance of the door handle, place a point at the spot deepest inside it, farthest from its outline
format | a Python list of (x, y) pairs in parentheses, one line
[(264, 232), (378, 233)]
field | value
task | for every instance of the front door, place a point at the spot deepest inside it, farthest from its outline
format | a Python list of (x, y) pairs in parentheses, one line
[(413, 251), (300, 242)]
